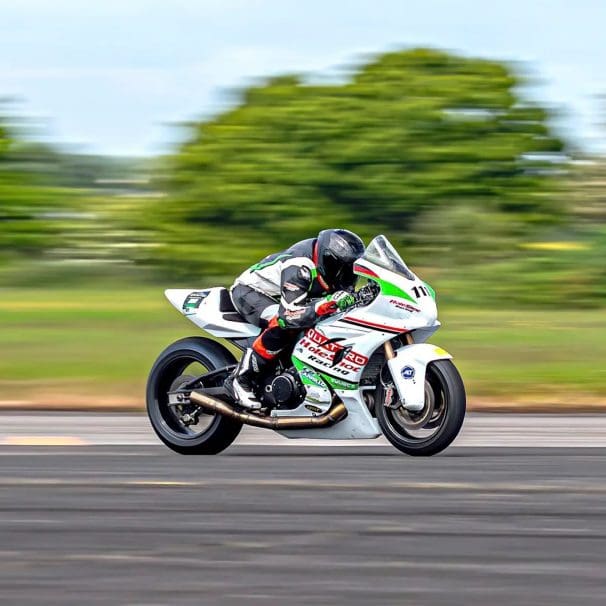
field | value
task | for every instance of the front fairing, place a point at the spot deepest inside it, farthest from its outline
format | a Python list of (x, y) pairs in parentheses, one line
[(403, 305)]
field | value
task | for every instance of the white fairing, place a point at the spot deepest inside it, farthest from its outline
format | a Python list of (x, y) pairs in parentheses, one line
[(333, 356), (203, 308), (358, 425), (404, 305), (408, 372)]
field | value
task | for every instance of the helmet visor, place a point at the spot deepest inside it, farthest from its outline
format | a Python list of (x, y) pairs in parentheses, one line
[(337, 273)]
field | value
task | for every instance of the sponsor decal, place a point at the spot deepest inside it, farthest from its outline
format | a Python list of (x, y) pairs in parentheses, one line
[(254, 364), (294, 314), (326, 353), (311, 377), (338, 351), (290, 286), (342, 369), (340, 383), (317, 337), (402, 305), (408, 372), (194, 300), (313, 408)]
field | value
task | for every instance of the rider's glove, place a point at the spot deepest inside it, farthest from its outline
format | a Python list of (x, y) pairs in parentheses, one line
[(338, 301), (343, 300)]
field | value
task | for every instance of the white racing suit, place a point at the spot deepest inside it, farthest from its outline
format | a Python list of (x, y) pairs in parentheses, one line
[(283, 294)]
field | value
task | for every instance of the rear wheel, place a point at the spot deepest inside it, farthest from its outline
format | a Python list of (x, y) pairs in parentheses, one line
[(437, 424), (176, 365)]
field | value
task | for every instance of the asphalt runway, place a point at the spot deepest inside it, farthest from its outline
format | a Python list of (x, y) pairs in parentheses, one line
[(139, 525), (479, 430)]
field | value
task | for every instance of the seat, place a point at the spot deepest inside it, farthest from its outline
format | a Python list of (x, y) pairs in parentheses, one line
[(227, 309)]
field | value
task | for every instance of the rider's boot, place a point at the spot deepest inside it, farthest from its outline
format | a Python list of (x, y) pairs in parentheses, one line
[(242, 381)]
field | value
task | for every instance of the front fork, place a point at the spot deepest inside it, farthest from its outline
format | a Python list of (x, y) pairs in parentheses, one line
[(390, 354), (408, 367)]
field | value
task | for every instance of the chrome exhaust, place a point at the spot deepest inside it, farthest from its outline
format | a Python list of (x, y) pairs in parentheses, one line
[(337, 412)]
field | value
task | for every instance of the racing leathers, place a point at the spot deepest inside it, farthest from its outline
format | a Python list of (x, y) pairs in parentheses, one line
[(283, 294)]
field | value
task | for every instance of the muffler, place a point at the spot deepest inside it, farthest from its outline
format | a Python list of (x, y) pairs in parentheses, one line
[(337, 412)]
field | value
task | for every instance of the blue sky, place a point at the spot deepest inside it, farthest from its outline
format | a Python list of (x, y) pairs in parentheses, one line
[(111, 76)]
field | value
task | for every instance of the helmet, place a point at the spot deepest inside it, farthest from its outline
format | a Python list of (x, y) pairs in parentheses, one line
[(337, 249)]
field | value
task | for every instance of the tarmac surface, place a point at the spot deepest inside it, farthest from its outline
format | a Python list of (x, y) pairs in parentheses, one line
[(488, 429), (290, 523)]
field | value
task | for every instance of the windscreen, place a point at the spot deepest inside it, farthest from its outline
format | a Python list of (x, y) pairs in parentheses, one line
[(382, 253)]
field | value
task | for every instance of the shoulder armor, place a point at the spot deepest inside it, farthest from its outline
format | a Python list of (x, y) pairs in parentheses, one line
[(302, 262)]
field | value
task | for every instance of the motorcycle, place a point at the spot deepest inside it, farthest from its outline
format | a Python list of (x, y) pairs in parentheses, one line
[(358, 374)]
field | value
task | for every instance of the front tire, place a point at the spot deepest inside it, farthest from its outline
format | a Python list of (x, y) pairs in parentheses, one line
[(445, 393), (170, 367)]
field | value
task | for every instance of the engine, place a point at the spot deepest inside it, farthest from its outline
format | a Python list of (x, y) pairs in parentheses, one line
[(283, 390)]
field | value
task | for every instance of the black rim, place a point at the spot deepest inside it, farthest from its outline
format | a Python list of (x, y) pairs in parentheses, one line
[(179, 365)]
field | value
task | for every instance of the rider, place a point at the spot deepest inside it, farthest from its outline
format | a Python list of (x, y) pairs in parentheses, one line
[(290, 291)]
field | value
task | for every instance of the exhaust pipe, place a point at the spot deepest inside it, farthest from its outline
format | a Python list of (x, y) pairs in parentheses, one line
[(337, 412)]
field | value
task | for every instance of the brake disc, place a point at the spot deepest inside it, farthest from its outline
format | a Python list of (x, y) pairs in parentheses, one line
[(416, 419)]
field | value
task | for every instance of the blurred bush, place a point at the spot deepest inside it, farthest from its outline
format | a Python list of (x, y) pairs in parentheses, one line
[(441, 152), (437, 150), (65, 218), (29, 202)]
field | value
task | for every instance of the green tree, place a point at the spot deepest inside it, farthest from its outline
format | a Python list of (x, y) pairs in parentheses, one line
[(31, 205), (411, 136)]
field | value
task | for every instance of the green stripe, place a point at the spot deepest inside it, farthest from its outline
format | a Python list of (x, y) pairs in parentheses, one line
[(339, 383), (262, 265), (391, 290), (334, 382), (300, 365), (314, 277)]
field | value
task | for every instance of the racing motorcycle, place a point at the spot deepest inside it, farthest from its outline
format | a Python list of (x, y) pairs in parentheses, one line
[(358, 374)]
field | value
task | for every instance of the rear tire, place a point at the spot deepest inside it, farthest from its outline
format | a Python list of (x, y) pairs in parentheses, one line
[(443, 378), (171, 363)]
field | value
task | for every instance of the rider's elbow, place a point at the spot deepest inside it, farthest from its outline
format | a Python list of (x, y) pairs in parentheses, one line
[(294, 318)]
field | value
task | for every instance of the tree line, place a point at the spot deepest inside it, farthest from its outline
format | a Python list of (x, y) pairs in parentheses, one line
[(441, 152)]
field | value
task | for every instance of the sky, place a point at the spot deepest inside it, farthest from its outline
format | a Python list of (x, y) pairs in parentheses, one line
[(115, 76)]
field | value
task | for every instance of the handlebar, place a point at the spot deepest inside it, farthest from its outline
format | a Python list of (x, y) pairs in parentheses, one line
[(367, 294)]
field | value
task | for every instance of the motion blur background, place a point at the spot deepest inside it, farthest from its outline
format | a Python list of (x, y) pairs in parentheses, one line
[(147, 145)]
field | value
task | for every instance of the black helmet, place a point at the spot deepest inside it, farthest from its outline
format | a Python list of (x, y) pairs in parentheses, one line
[(337, 249)]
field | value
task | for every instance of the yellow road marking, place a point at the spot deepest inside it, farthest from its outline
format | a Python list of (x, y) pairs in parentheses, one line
[(43, 441)]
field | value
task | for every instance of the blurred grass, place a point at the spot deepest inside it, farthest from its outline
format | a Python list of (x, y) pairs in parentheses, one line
[(77, 346), (68, 345), (537, 357)]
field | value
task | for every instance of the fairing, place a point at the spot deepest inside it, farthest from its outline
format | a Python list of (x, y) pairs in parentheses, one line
[(203, 308), (332, 356)]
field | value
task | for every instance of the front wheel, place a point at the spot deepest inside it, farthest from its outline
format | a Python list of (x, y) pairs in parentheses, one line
[(177, 364), (433, 428)]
